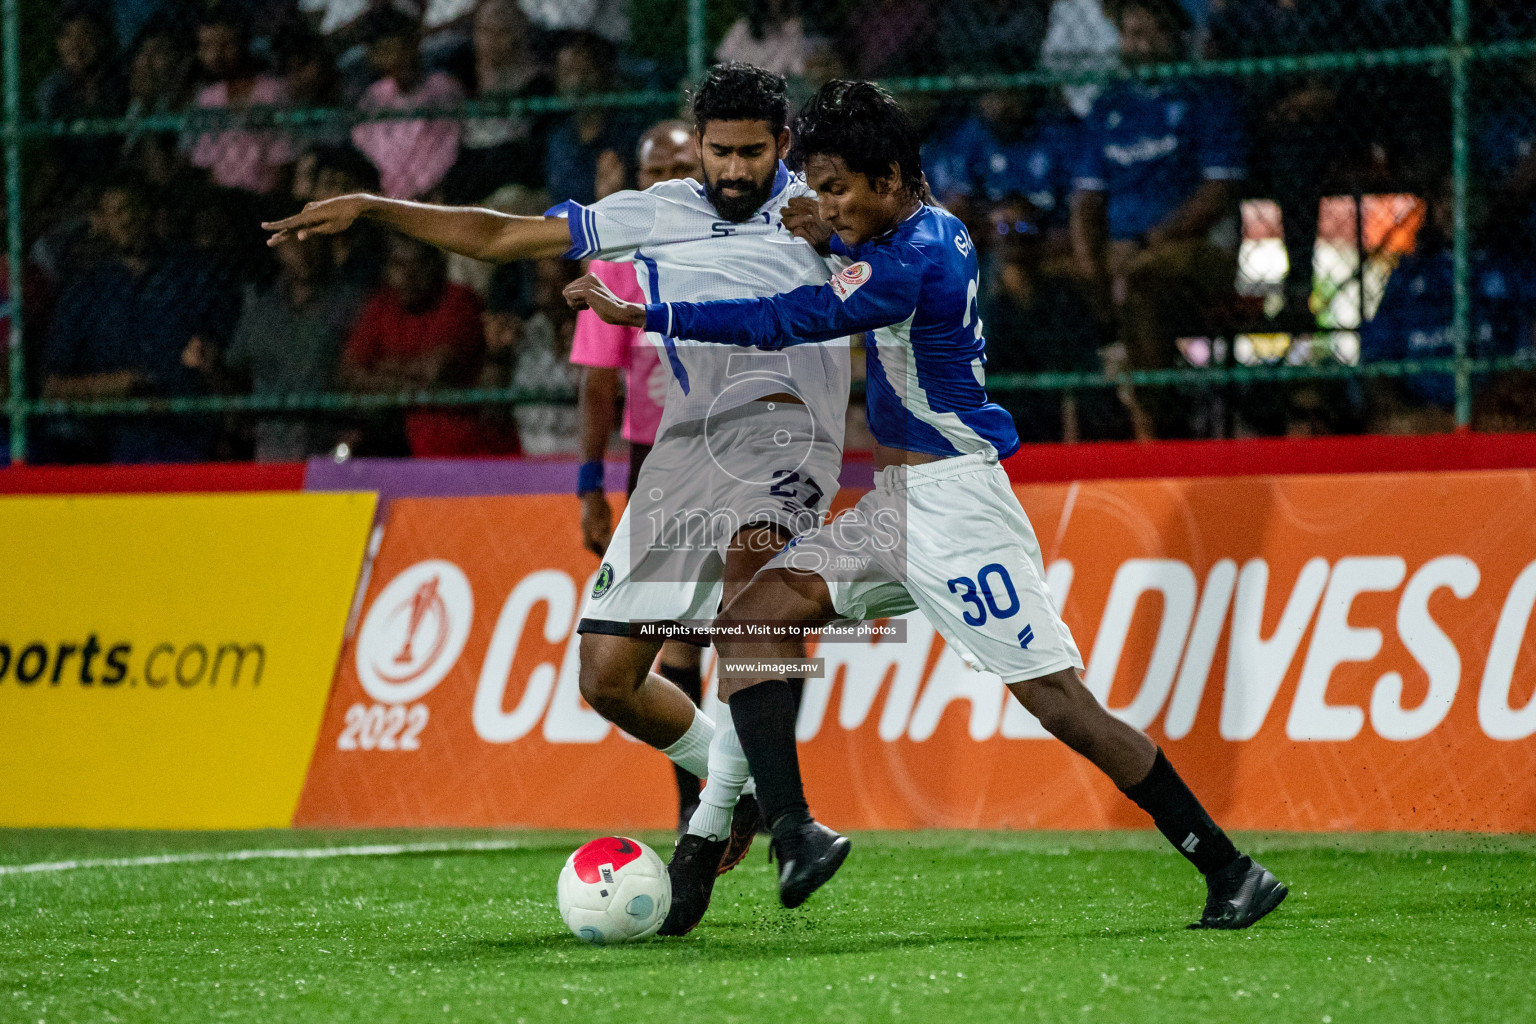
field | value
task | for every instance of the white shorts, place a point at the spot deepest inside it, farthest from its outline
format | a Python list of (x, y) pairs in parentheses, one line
[(703, 481), (948, 538)]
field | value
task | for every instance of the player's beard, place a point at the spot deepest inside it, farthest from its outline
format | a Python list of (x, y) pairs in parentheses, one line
[(739, 207)]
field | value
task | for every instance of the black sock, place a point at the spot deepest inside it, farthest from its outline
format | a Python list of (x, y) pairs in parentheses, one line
[(689, 681), (1181, 819), (688, 788), (797, 688), (686, 679), (765, 723)]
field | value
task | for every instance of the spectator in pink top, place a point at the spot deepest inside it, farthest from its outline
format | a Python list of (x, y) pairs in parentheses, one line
[(412, 155), (667, 151), (605, 350), (770, 35), (254, 161)]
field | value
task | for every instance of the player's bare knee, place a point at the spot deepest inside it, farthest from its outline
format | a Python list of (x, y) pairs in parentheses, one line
[(750, 604), (606, 682), (1057, 702)]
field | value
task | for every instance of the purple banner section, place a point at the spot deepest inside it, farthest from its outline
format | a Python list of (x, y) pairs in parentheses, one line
[(453, 478), (465, 478)]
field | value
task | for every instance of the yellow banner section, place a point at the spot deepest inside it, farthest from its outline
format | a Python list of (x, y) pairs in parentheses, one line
[(165, 660)]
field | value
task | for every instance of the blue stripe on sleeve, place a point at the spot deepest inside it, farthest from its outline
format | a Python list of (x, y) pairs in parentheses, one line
[(582, 223)]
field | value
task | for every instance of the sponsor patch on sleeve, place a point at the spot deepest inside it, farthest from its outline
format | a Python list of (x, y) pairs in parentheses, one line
[(851, 279)]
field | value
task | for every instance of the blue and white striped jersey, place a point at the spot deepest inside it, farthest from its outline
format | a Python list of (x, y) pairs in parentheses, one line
[(916, 289), (683, 249)]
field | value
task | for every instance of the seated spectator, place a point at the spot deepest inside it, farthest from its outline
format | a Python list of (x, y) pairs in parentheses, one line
[(1015, 146), (1414, 319), (223, 227), (504, 150), (1036, 324), (87, 83), (308, 67), (412, 155), (344, 23), (160, 72), (288, 342), (770, 36), (588, 144), (529, 346), (330, 171), (253, 160), (420, 331), (121, 327), (1154, 224)]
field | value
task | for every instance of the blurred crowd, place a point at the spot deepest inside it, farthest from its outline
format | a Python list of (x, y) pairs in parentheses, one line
[(1110, 219)]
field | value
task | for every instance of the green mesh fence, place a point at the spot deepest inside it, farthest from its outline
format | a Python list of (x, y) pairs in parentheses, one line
[(1345, 245)]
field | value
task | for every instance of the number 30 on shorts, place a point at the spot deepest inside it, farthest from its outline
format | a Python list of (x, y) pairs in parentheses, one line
[(981, 594)]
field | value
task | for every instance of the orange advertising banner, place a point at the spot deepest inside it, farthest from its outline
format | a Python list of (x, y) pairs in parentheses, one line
[(1340, 652)]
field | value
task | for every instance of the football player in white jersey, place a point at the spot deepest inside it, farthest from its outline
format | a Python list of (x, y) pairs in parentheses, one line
[(750, 444), (942, 531)]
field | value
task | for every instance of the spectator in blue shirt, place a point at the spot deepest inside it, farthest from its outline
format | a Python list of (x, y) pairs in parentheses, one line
[(587, 157), (1015, 146), (122, 325), (1154, 225), (1414, 322)]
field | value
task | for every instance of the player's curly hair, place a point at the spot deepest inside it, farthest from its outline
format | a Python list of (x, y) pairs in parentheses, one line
[(741, 92), (863, 125)]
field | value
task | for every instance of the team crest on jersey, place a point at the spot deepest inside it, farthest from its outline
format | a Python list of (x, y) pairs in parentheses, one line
[(851, 279), (604, 580)]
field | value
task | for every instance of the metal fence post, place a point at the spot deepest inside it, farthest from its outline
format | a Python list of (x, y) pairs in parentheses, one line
[(10, 27), (1461, 321), (697, 61)]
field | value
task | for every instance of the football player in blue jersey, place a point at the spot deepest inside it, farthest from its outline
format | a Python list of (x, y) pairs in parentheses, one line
[(942, 531)]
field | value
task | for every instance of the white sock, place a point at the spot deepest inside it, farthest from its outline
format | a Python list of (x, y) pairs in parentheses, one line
[(691, 751), (728, 774)]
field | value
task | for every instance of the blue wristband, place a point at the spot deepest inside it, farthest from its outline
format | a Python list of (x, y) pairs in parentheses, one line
[(589, 478)]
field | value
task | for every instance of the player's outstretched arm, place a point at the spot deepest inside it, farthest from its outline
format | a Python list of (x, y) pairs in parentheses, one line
[(866, 296), (468, 230)]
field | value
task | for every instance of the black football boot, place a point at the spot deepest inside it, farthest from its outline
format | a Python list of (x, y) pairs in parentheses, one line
[(809, 855), (694, 867), (1240, 894)]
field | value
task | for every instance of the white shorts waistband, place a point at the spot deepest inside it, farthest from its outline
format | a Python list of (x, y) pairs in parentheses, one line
[(900, 478)]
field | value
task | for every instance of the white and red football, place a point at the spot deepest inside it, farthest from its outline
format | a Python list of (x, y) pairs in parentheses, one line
[(614, 890)]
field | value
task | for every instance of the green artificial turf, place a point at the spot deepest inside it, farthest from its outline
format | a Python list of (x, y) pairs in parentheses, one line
[(929, 926)]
